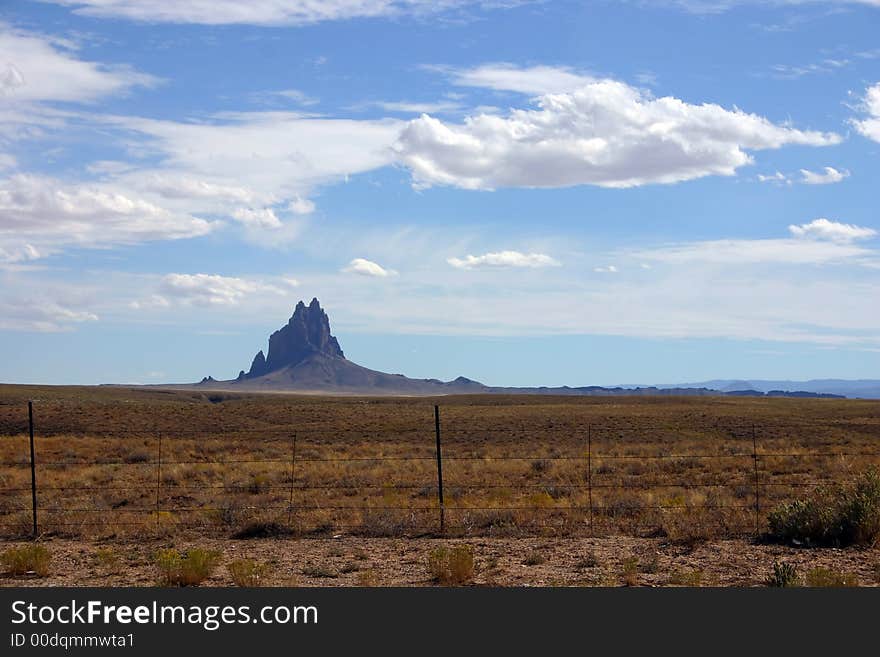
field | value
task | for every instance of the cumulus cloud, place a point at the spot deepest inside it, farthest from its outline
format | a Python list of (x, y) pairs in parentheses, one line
[(870, 126), (503, 259), (261, 12), (829, 176), (609, 269), (42, 213), (365, 267), (42, 68), (605, 133), (825, 229)]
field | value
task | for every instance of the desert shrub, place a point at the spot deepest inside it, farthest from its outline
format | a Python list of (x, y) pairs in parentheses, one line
[(248, 573), (825, 577), (686, 578), (784, 575), (320, 571), (451, 566), (26, 559), (588, 561), (840, 516), (629, 571), (262, 530), (368, 578), (107, 557), (540, 466), (534, 558), (188, 569)]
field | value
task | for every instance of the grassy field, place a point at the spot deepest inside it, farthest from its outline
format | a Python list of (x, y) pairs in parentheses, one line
[(118, 464)]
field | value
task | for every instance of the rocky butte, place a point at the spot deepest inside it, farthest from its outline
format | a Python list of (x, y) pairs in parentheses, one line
[(304, 356)]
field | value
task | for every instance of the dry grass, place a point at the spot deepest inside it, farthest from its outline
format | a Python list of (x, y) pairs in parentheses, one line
[(188, 569), (249, 573), (451, 566), (680, 468), (26, 559)]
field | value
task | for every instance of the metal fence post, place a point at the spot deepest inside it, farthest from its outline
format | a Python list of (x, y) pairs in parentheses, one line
[(439, 469), (757, 491), (33, 468), (158, 480), (292, 471), (590, 473)]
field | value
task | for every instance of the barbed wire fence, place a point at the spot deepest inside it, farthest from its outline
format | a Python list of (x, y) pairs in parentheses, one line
[(281, 483)]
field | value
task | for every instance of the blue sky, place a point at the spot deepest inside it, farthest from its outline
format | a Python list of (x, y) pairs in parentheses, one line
[(524, 193)]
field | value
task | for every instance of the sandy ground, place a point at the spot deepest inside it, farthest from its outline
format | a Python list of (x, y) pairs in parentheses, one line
[(350, 561)]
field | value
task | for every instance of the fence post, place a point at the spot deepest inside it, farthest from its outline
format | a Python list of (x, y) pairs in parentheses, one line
[(158, 481), (33, 468), (439, 470), (757, 491), (292, 471), (590, 473)]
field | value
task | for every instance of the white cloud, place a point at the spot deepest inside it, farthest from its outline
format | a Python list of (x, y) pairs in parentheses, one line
[(178, 292), (259, 218), (181, 186), (870, 126), (299, 205), (207, 289), (777, 178), (44, 214), (293, 95), (408, 107), (609, 269), (605, 133), (731, 252), (40, 314), (21, 253), (719, 6), (503, 259), (793, 251), (365, 267), (534, 80), (41, 68), (260, 12), (268, 158), (829, 176), (825, 229)]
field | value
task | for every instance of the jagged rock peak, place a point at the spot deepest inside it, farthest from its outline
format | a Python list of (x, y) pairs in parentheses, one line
[(258, 365), (305, 334)]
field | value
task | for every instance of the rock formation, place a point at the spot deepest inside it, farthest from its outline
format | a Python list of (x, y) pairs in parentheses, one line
[(306, 334)]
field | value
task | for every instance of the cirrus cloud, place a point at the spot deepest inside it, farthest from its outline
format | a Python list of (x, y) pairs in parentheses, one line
[(262, 12), (41, 68), (503, 259)]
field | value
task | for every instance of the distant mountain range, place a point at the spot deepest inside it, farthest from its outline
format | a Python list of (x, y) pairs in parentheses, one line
[(303, 356), (861, 388)]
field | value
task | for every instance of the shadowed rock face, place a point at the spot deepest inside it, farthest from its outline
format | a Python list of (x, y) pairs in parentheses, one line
[(306, 334)]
